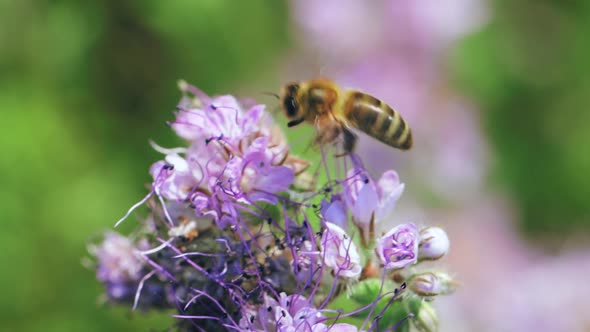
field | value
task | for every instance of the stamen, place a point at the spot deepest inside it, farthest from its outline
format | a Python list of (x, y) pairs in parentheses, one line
[(162, 150), (140, 287), (135, 206), (156, 249)]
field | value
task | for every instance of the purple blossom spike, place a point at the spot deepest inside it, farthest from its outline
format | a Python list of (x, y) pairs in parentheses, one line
[(339, 252), (119, 260), (232, 240), (398, 248)]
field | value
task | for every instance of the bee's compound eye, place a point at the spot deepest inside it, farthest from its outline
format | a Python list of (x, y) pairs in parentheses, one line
[(290, 106)]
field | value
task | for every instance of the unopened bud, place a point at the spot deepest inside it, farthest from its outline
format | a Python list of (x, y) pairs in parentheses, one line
[(434, 243), (425, 317), (432, 284)]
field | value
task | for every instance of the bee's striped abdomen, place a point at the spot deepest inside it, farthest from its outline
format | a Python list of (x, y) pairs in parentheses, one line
[(377, 119)]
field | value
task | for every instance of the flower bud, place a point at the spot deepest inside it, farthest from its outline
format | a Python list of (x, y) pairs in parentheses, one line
[(432, 284), (434, 243), (425, 317)]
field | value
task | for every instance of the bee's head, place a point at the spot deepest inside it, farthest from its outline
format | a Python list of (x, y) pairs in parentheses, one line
[(291, 103)]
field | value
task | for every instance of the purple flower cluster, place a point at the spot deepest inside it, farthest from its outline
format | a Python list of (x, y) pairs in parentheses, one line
[(235, 155), (233, 241)]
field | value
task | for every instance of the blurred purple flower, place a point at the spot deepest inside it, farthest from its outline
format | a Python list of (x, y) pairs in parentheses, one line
[(426, 24), (398, 248), (531, 289), (325, 22), (422, 23), (119, 261)]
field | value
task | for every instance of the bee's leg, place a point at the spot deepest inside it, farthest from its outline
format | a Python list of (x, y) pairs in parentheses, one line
[(326, 132), (295, 122), (350, 139)]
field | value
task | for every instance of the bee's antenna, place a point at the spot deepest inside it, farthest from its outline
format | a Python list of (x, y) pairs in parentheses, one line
[(271, 94)]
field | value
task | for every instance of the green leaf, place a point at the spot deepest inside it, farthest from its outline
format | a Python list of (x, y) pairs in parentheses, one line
[(425, 317)]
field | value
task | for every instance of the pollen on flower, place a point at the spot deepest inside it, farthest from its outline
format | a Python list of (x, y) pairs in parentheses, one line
[(187, 229), (239, 235)]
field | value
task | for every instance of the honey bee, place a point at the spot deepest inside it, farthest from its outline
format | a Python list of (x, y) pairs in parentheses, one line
[(334, 111)]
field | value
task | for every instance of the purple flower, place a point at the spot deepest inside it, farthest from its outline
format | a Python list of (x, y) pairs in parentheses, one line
[(339, 252), (119, 260), (223, 119), (236, 156), (174, 179), (399, 247), (255, 175), (369, 201), (334, 211), (339, 327), (202, 204), (220, 116), (288, 314), (306, 260)]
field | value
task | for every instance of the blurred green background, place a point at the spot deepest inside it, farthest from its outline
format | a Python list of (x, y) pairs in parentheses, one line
[(529, 70), (84, 85)]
